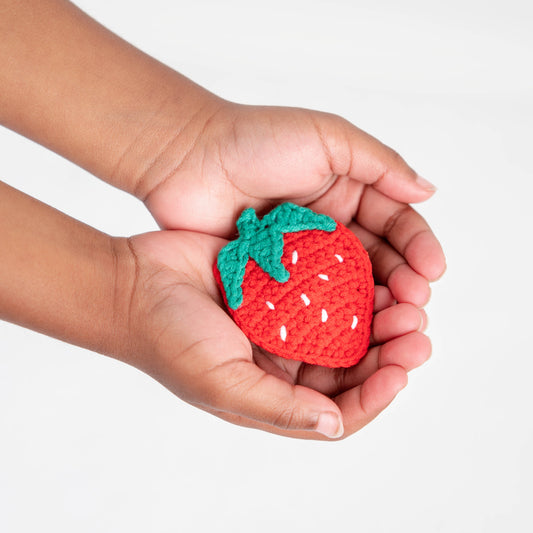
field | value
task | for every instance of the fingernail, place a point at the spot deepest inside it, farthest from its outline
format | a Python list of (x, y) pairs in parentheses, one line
[(423, 320), (330, 425), (400, 387), (425, 184)]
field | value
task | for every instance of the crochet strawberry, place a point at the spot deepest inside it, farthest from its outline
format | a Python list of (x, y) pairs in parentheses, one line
[(299, 284)]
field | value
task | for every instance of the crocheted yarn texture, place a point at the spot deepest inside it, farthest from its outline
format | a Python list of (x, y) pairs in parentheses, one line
[(299, 285)]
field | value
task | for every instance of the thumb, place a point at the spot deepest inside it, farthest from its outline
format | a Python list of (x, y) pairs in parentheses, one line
[(358, 155), (248, 392), (206, 360)]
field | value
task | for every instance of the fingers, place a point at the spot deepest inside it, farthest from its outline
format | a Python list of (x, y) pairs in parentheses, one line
[(363, 391), (383, 298), (408, 351), (390, 268), (249, 392), (361, 404), (362, 157), (405, 230), (208, 362), (238, 391), (216, 372), (249, 423), (395, 321)]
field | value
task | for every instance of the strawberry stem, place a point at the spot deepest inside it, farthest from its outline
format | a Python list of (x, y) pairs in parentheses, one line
[(262, 240)]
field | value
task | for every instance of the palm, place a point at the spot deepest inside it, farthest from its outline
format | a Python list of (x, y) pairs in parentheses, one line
[(260, 156), (248, 157), (202, 356)]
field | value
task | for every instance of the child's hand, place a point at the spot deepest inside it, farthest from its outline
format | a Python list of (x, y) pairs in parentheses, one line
[(189, 344), (196, 159), (247, 156), (152, 302)]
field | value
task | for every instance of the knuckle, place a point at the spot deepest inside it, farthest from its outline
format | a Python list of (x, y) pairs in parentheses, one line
[(223, 385), (395, 220), (340, 378), (396, 159), (284, 419), (374, 250), (291, 417)]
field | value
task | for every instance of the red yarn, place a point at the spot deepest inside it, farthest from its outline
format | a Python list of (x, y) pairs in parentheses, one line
[(310, 317)]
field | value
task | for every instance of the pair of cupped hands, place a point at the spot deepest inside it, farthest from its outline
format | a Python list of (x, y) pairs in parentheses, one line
[(246, 156)]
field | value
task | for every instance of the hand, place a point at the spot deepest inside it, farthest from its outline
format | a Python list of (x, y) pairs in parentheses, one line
[(198, 160), (202, 161), (189, 344), (259, 156)]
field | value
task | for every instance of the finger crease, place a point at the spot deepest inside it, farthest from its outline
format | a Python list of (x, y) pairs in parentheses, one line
[(392, 221)]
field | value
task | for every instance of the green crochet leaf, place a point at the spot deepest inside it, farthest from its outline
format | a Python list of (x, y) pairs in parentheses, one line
[(262, 240)]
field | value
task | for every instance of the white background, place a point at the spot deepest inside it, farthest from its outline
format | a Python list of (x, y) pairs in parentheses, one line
[(88, 444)]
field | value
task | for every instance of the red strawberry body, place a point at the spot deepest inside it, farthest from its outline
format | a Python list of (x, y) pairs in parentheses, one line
[(322, 313)]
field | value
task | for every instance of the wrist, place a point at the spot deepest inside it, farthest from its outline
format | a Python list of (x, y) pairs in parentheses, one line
[(119, 341), (61, 277), (103, 104), (158, 146), (129, 336)]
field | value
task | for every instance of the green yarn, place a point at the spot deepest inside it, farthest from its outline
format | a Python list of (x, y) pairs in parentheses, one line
[(262, 240)]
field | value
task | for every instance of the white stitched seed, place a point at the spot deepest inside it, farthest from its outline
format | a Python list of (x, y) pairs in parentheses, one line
[(354, 323), (270, 305), (339, 258), (324, 277), (294, 257), (324, 315), (283, 333), (306, 300)]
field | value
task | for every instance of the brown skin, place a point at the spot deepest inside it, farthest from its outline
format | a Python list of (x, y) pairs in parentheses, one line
[(197, 160), (152, 302)]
